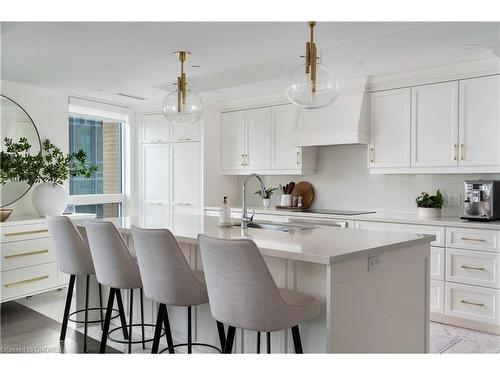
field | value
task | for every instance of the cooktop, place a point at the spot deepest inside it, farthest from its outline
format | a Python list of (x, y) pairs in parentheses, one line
[(334, 212)]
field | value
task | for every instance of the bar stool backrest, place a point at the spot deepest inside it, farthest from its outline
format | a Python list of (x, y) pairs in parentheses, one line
[(72, 252), (114, 265), (166, 275), (241, 290)]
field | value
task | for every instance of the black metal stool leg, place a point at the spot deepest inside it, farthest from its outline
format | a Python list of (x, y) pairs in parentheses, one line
[(228, 348), (168, 332), (142, 320), (100, 305), (121, 310), (296, 340), (107, 320), (258, 342), (159, 323), (222, 335), (268, 337), (85, 329), (190, 350), (69, 296), (131, 320)]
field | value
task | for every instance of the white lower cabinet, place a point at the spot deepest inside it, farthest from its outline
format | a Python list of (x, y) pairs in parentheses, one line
[(437, 264), (473, 267), (472, 302), (437, 296)]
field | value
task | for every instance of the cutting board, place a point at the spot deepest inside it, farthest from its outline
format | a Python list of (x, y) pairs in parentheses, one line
[(306, 190)]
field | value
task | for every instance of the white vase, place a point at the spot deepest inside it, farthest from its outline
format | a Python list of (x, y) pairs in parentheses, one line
[(49, 198), (429, 213), (266, 203)]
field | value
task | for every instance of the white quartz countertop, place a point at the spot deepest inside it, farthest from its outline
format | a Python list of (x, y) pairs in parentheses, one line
[(35, 219), (318, 245), (389, 217)]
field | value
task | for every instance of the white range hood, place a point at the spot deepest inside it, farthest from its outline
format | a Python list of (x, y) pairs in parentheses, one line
[(343, 122)]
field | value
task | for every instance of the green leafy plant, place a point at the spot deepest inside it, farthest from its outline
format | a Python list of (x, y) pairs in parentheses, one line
[(48, 165), (268, 192), (425, 200)]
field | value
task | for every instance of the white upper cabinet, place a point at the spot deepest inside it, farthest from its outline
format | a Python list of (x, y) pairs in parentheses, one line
[(479, 123), (285, 155), (258, 138), (185, 176), (185, 133), (434, 125), (233, 140), (390, 128), (155, 128), (155, 179)]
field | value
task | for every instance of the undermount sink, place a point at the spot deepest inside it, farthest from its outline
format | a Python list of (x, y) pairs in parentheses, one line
[(281, 227)]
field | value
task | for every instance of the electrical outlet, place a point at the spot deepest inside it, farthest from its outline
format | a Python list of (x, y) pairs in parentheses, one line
[(373, 263), (454, 200)]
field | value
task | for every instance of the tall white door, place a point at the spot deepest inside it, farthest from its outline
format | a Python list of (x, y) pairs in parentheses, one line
[(232, 140), (258, 132), (155, 128), (284, 154), (390, 128), (434, 125), (155, 178), (479, 122), (185, 176)]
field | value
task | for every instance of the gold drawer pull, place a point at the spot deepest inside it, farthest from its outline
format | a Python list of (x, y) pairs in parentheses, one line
[(473, 268), (27, 232), (473, 239), (26, 281), (25, 254), (472, 303)]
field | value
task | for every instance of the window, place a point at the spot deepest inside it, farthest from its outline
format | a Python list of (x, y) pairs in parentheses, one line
[(101, 137)]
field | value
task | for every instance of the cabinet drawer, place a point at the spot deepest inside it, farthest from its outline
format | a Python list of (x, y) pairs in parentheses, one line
[(437, 263), (437, 296), (472, 302), (26, 253), (406, 228), (474, 239), (23, 232), (28, 280), (473, 267)]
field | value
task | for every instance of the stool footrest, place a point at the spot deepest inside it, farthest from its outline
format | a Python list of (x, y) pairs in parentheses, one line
[(193, 344), (91, 321), (133, 341)]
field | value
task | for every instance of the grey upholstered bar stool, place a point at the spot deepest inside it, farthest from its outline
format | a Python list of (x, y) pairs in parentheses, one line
[(243, 294), (169, 280), (73, 257), (117, 269)]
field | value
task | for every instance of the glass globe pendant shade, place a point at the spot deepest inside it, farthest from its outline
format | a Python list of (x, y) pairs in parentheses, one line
[(300, 89), (191, 110)]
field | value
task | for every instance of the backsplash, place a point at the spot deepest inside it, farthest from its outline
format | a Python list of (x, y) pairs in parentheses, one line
[(343, 181)]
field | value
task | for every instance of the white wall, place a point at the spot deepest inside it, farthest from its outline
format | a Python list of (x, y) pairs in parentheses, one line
[(343, 181), (49, 111)]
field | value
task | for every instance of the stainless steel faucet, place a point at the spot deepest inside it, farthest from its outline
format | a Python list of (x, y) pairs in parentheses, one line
[(244, 215)]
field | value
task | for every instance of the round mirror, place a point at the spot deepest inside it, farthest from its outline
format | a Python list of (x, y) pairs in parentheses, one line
[(15, 124)]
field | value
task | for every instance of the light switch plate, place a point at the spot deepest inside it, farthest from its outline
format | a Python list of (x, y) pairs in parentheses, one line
[(454, 200), (373, 263)]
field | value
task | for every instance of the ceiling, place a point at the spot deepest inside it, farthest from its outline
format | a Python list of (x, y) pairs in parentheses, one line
[(237, 59)]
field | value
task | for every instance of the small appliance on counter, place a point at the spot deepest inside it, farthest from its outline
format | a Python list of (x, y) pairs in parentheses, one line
[(482, 200)]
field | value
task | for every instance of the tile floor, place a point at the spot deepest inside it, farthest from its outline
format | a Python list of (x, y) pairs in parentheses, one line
[(444, 338)]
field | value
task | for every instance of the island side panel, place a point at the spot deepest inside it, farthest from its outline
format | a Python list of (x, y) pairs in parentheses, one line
[(384, 310)]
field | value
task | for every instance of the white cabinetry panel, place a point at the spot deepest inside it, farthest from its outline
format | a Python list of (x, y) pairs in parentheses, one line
[(434, 125), (473, 267), (437, 296), (473, 239), (437, 264), (185, 176), (155, 128), (155, 169), (285, 155), (258, 128), (233, 147)]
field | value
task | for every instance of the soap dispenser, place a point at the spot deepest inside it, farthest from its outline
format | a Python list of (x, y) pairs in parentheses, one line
[(225, 213)]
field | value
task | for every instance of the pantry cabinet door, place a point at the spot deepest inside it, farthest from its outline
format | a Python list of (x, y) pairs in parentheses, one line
[(479, 123), (232, 140), (390, 128), (284, 154), (155, 177), (258, 128), (155, 128), (434, 125), (185, 168)]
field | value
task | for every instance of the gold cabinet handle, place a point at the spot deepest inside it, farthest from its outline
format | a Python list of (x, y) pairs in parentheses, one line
[(246, 159), (183, 204), (298, 157), (26, 254), (472, 239), (473, 268), (471, 303), (183, 139), (461, 151), (372, 153), (27, 232), (242, 159), (455, 149), (10, 285)]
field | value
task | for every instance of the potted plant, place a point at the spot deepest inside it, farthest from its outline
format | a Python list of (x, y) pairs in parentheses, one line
[(50, 168), (266, 199), (430, 206)]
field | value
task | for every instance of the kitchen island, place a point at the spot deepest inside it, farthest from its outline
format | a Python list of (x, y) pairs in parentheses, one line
[(374, 286)]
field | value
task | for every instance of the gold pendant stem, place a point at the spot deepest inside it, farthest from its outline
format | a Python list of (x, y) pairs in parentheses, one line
[(181, 84), (311, 54)]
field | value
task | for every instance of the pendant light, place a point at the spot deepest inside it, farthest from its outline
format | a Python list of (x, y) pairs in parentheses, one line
[(312, 85), (181, 106)]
